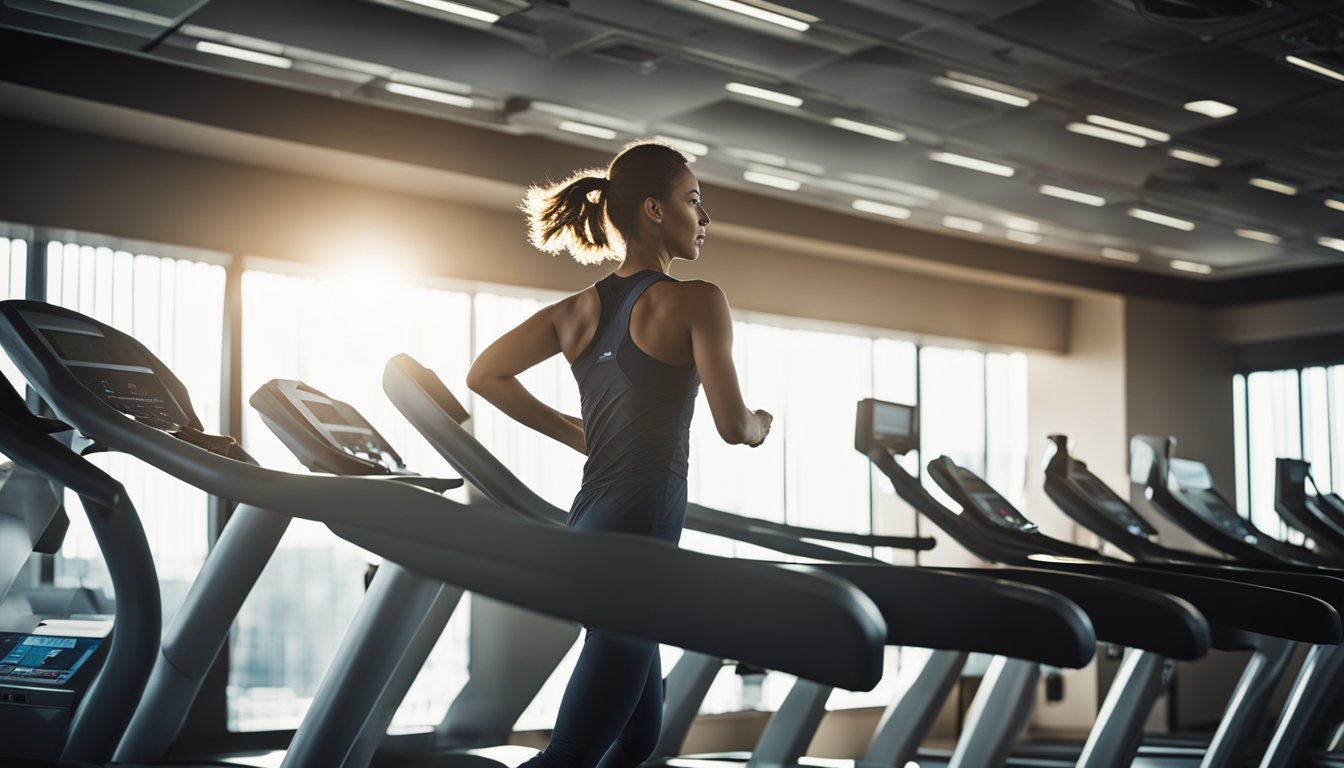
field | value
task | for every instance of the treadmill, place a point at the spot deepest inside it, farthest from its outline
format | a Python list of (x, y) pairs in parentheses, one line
[(1182, 490), (1085, 498), (75, 710), (1243, 614), (1114, 608), (319, 430), (1318, 515), (112, 389)]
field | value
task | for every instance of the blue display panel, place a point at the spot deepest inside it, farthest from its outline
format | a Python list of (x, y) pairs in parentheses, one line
[(43, 659)]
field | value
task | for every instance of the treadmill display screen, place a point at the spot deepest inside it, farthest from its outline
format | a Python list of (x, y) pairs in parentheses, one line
[(85, 348), (350, 433), (892, 421), (1102, 498), (43, 659), (997, 509)]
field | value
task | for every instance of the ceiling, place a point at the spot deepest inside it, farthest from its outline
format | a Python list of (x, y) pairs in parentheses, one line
[(880, 95)]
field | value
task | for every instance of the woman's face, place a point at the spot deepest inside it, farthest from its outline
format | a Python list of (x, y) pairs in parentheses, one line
[(684, 218)]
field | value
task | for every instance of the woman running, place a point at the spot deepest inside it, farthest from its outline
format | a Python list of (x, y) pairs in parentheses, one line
[(640, 344)]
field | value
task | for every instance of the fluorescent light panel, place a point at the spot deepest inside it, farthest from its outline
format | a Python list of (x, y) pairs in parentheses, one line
[(584, 129), (1211, 108), (244, 54), (1117, 254), (1331, 242), (457, 9), (1312, 66), (1121, 125), (1097, 132), (881, 209), (965, 225), (684, 145), (986, 89), (1334, 203), (1072, 195), (1273, 186), (742, 89), (1198, 158), (1027, 238), (1191, 266), (972, 163), (1021, 224), (1255, 234), (762, 14), (429, 94), (867, 129), (768, 180), (1154, 217)]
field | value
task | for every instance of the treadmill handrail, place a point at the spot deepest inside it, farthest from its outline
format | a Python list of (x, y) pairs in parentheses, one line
[(728, 608), (103, 713), (436, 414)]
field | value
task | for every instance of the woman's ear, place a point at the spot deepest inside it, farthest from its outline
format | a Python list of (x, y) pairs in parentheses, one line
[(653, 210)]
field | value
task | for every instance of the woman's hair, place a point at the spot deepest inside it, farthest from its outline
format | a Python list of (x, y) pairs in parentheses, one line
[(579, 213)]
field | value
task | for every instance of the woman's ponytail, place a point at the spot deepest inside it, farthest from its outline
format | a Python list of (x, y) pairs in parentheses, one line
[(572, 216)]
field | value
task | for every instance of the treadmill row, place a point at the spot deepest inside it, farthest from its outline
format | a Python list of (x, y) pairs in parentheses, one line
[(842, 608)]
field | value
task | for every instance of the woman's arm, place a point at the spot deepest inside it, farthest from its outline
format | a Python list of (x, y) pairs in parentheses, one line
[(494, 376), (712, 347)]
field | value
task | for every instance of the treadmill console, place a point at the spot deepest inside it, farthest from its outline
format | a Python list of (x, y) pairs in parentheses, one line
[(346, 429), (119, 375), (884, 425), (1195, 482), (989, 504), (1103, 499), (40, 659)]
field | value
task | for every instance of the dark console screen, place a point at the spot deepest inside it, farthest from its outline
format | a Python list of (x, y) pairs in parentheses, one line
[(997, 508), (353, 435), (883, 425), (1103, 499), (1194, 479), (43, 659), (892, 421), (108, 370), (86, 348)]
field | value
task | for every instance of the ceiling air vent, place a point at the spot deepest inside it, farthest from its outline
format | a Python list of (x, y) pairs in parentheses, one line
[(1200, 10), (627, 54)]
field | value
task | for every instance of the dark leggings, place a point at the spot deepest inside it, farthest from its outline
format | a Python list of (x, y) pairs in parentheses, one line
[(605, 720), (612, 713)]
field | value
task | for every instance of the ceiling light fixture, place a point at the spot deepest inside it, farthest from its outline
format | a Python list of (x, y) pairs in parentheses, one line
[(1255, 234), (1334, 203), (1198, 158), (1117, 254), (769, 180), (1027, 238), (1185, 225), (798, 22), (867, 129), (1096, 131), (457, 9), (1121, 125), (1020, 224), (1312, 66), (244, 54), (584, 129), (1072, 195), (972, 163), (429, 94), (685, 146), (742, 89), (1282, 188), (1331, 242), (965, 225), (881, 209), (986, 89), (1211, 108), (1191, 266)]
